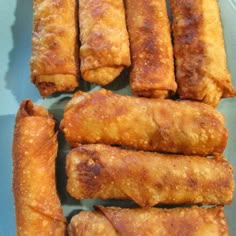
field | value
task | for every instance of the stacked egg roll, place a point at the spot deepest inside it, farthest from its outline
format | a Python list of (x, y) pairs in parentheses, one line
[(113, 221), (104, 50), (148, 178), (37, 206), (191, 128), (201, 69), (152, 70), (54, 61)]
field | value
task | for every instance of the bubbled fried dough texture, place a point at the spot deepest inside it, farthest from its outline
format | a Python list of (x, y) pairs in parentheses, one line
[(192, 221), (90, 224), (54, 60), (104, 50), (148, 178), (152, 71), (147, 124), (201, 68), (37, 206)]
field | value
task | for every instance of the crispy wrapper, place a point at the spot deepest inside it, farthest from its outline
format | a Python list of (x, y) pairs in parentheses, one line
[(104, 50), (152, 72), (90, 224), (148, 178), (37, 206), (201, 68), (193, 221), (146, 124), (54, 61)]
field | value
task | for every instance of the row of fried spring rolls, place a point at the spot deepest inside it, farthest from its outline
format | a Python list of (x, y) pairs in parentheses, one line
[(93, 171), (201, 69), (115, 221), (104, 50)]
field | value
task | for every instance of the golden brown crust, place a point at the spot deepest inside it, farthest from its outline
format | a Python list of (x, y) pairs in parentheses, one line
[(90, 224), (194, 221), (104, 48), (152, 73), (37, 206), (148, 178), (146, 124), (54, 61), (199, 51)]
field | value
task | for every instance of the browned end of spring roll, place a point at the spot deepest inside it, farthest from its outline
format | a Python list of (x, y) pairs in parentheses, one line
[(104, 51), (201, 68), (151, 221), (148, 178), (37, 206), (152, 72), (54, 61), (90, 224), (147, 124)]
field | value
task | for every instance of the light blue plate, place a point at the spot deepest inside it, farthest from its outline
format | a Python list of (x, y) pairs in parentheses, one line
[(15, 46)]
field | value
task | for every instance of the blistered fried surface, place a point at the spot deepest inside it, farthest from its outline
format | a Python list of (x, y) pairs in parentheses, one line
[(37, 206), (192, 221), (199, 51), (104, 50), (147, 124), (179, 221), (148, 178), (152, 72), (54, 61), (89, 224)]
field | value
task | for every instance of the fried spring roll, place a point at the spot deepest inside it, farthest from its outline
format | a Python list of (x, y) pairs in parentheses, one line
[(194, 221), (148, 178), (146, 124), (104, 50), (199, 51), (37, 206), (54, 61), (152, 72)]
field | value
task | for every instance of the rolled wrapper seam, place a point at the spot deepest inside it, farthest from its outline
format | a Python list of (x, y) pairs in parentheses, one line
[(201, 68), (113, 221), (54, 60), (37, 206), (104, 50), (185, 127), (148, 178)]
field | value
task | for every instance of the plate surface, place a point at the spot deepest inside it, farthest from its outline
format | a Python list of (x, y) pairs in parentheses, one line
[(15, 45)]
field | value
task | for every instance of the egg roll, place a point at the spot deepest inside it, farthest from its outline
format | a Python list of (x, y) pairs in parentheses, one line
[(111, 221), (201, 69), (147, 124), (37, 206), (148, 178), (104, 50), (54, 60), (152, 70)]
